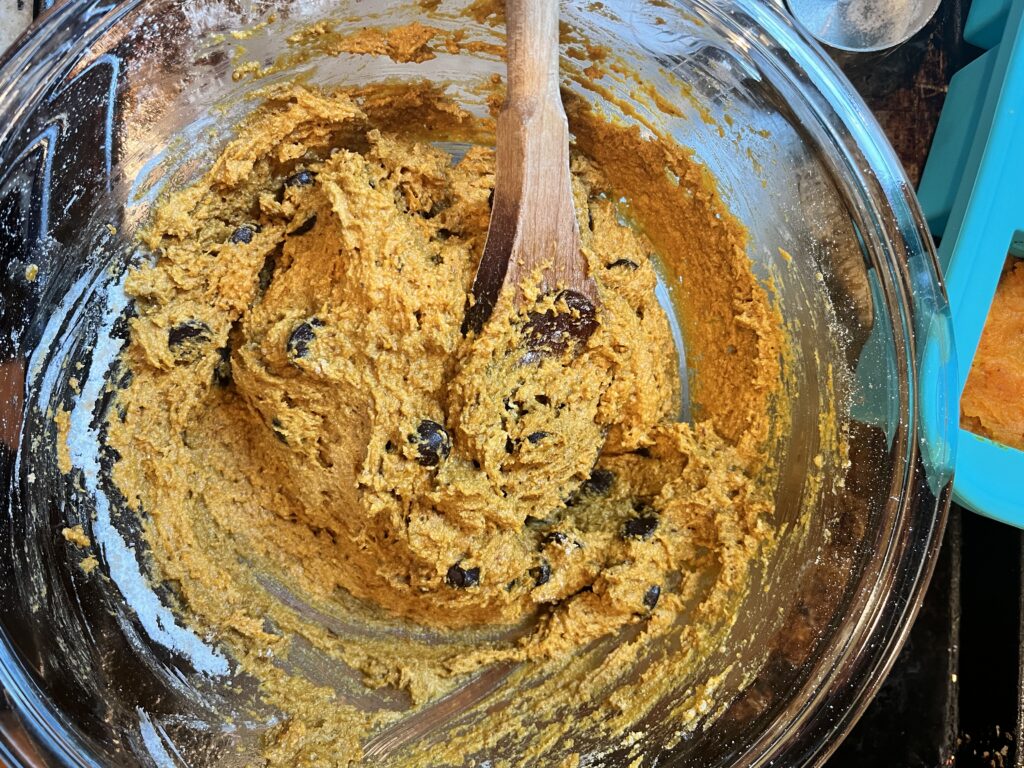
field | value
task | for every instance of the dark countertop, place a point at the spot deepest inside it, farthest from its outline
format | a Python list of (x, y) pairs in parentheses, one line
[(906, 87)]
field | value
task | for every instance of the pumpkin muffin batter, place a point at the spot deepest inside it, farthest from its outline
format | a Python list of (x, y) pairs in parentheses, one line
[(993, 400), (319, 454)]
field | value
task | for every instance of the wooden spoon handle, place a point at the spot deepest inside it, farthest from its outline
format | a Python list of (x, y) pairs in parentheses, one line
[(532, 34), (533, 229)]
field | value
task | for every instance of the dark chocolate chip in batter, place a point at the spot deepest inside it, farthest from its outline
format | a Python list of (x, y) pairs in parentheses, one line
[(185, 340), (187, 332), (651, 597), (624, 264), (541, 573), (641, 527), (536, 437), (553, 331), (555, 537), (462, 578), (300, 179), (433, 443), (243, 235), (302, 336), (599, 482), (304, 227)]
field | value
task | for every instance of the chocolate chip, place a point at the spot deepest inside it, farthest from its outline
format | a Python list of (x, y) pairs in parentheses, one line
[(297, 179), (651, 597), (599, 482), (300, 179), (642, 527), (462, 578), (624, 263), (536, 437), (305, 226), (555, 537), (433, 443), (242, 235), (553, 331), (185, 339), (302, 336), (541, 573), (510, 447), (186, 332), (543, 399), (278, 428)]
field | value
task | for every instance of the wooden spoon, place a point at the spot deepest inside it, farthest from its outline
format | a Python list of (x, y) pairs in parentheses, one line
[(533, 225)]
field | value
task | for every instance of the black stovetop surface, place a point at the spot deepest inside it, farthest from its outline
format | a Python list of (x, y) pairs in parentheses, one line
[(954, 694), (953, 697)]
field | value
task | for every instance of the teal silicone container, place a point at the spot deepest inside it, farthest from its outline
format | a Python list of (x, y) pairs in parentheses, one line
[(971, 194)]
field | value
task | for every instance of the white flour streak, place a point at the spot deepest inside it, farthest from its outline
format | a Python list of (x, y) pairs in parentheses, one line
[(83, 445)]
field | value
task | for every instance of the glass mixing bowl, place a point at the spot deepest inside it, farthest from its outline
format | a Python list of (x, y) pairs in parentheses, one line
[(103, 105)]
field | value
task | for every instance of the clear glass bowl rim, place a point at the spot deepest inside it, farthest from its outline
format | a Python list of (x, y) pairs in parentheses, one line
[(832, 702)]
